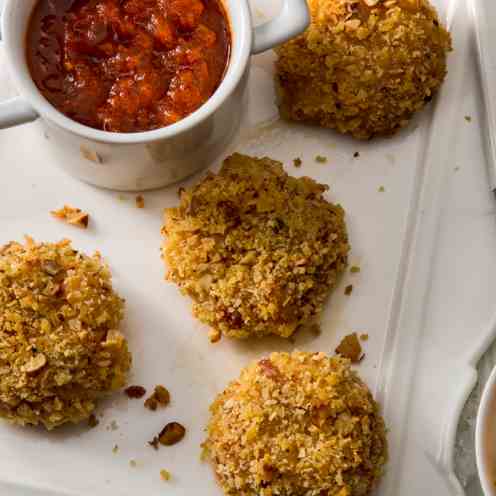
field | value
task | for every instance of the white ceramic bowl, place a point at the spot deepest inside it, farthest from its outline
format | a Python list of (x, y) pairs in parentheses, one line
[(485, 437), (151, 159)]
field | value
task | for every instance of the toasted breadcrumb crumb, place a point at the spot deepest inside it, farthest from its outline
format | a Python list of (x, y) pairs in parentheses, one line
[(320, 159), (92, 421), (73, 216), (468, 118), (363, 70), (350, 348), (165, 475), (348, 290), (296, 424), (60, 349), (257, 250), (364, 337), (160, 396), (297, 162), (214, 335), (140, 201), (115, 449), (381, 189), (354, 269), (133, 463), (135, 392), (356, 154)]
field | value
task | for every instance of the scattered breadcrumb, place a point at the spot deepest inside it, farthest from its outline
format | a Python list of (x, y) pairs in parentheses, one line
[(381, 189), (214, 335), (93, 421), (309, 427), (320, 159), (180, 191), (154, 443), (73, 216), (133, 463), (363, 70), (348, 290), (468, 118), (113, 426), (160, 396), (356, 154), (115, 449), (60, 350), (140, 201), (121, 198), (350, 348), (364, 337), (355, 269), (297, 162), (257, 250), (165, 475), (171, 434), (135, 392)]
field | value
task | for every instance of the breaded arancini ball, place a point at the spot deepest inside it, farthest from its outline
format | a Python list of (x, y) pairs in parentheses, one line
[(363, 67), (297, 424), (257, 250), (59, 345)]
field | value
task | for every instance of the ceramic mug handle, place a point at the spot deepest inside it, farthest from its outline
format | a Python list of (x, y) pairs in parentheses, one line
[(16, 111), (293, 19)]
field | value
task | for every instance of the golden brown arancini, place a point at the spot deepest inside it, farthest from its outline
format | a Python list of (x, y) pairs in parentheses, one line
[(363, 69), (59, 345), (297, 424), (257, 250)]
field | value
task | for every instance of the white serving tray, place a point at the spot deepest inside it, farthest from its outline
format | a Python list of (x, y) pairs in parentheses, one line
[(412, 295)]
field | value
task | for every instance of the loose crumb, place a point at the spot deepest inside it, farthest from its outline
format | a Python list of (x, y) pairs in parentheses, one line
[(356, 154), (93, 421), (348, 290), (320, 159), (165, 475), (214, 335), (381, 189), (297, 162), (154, 443), (133, 463), (135, 392), (113, 426), (73, 216), (350, 347), (140, 201), (364, 337), (171, 434), (160, 396), (121, 198), (115, 449), (355, 269), (468, 118)]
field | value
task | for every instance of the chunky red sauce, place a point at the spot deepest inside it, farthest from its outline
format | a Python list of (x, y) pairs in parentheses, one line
[(128, 65)]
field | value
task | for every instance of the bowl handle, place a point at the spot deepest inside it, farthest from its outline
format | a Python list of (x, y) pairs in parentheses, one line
[(16, 111), (293, 19)]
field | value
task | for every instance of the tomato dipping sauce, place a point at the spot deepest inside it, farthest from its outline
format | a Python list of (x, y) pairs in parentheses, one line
[(128, 65)]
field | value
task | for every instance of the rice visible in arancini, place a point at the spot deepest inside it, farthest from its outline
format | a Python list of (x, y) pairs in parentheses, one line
[(60, 349), (296, 424), (363, 67), (257, 250)]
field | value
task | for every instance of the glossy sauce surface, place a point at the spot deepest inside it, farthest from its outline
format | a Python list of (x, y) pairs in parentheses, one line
[(128, 65)]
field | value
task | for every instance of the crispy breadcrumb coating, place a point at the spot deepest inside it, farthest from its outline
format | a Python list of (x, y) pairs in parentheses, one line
[(363, 70), (257, 250), (296, 424), (59, 345)]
